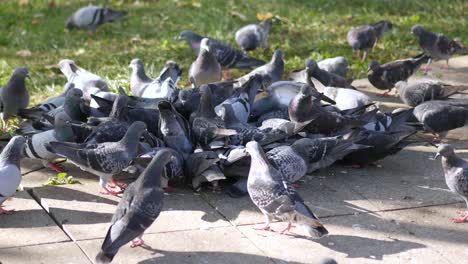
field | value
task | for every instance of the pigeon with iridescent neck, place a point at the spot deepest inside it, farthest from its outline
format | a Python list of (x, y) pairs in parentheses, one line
[(205, 69), (253, 36)]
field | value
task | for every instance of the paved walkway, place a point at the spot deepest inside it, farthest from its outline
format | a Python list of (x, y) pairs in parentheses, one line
[(396, 212)]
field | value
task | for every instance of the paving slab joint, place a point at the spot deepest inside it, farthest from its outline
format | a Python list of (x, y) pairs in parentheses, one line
[(60, 225)]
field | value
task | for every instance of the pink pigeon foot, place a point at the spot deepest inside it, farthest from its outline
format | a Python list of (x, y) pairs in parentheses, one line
[(138, 242), (265, 227), (119, 185), (287, 229), (111, 192), (6, 212), (462, 219), (57, 168)]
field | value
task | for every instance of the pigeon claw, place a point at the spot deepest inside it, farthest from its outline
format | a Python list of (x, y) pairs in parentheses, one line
[(287, 229), (138, 242)]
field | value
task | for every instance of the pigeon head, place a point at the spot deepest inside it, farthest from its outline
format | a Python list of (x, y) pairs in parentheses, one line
[(417, 30), (444, 150), (189, 36), (172, 70), (164, 105), (266, 25), (206, 108), (204, 44), (134, 133), (70, 24), (136, 64), (373, 65), (62, 127), (253, 147), (311, 65), (151, 176), (21, 73), (67, 67), (278, 55), (13, 150), (110, 15), (306, 90)]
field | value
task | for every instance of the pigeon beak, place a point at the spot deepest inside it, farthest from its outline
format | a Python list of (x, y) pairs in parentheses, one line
[(436, 156)]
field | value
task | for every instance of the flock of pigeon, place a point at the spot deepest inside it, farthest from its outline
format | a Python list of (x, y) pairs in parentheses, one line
[(260, 129)]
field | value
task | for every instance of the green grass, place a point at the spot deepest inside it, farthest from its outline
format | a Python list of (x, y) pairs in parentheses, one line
[(303, 29)]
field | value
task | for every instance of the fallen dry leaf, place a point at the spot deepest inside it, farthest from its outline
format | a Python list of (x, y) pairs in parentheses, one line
[(239, 15), (264, 16), (24, 53), (35, 21)]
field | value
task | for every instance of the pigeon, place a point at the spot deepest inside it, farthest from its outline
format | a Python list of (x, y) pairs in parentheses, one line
[(384, 77), (243, 98), (347, 98), (81, 78), (366, 37), (423, 91), (10, 173), (382, 144), (14, 96), (165, 85), (35, 144), (324, 77), (253, 36), (436, 45), (301, 108), (139, 207), (337, 65), (101, 94), (438, 117), (226, 55), (274, 69), (103, 159), (205, 69), (174, 129), (273, 197), (90, 17), (138, 78), (456, 175)]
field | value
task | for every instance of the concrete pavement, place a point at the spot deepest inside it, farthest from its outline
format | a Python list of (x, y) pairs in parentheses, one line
[(396, 212)]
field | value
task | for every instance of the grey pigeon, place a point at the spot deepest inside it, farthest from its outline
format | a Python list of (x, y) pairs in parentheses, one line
[(324, 77), (140, 205), (90, 17), (347, 98), (138, 78), (436, 45), (164, 86), (204, 166), (384, 77), (205, 69), (366, 37), (456, 175), (253, 36), (439, 117), (422, 91), (105, 159), (337, 65), (14, 96), (274, 69), (275, 199), (226, 55), (35, 147), (174, 129), (10, 173), (81, 78)]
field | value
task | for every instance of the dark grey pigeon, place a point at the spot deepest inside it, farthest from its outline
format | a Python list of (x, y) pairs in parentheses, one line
[(90, 17), (274, 69), (226, 55), (456, 175), (174, 129), (10, 173), (436, 45), (105, 159), (324, 77), (140, 205), (384, 77), (275, 199), (204, 166), (253, 36), (439, 117), (14, 96), (205, 69), (35, 147), (366, 37), (138, 79), (417, 93)]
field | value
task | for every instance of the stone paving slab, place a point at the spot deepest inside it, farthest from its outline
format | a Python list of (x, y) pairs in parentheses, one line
[(218, 245), (86, 213), (56, 253), (30, 225)]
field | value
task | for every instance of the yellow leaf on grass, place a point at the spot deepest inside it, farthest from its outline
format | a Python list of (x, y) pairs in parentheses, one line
[(23, 2), (264, 16)]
